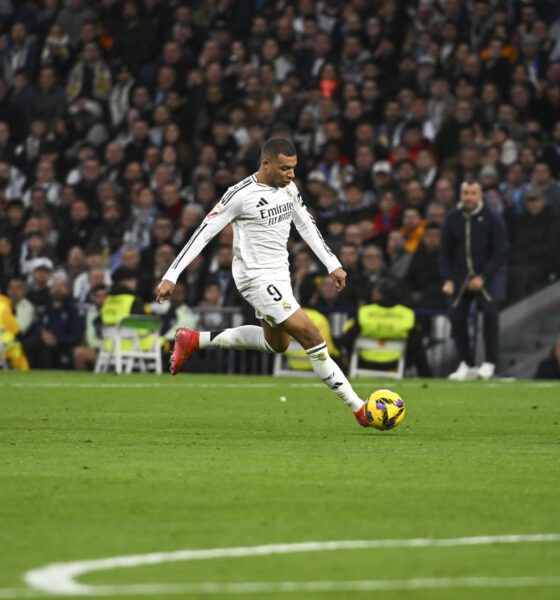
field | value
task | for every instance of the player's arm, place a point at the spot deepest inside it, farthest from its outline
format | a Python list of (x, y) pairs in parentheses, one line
[(222, 214), (307, 228)]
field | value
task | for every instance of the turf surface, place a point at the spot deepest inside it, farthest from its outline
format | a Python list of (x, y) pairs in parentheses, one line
[(99, 466)]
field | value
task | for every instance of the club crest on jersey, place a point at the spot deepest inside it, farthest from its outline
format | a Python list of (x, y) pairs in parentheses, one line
[(288, 192), (217, 209), (286, 306)]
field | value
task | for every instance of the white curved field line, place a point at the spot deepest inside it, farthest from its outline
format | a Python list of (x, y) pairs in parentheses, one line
[(60, 578)]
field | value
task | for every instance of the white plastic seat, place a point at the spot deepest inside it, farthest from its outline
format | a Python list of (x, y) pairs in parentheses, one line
[(366, 343), (125, 346)]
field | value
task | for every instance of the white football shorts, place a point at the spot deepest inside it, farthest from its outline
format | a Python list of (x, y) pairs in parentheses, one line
[(273, 299)]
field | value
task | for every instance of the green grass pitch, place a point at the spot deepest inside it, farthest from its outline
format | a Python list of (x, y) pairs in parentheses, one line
[(104, 466)]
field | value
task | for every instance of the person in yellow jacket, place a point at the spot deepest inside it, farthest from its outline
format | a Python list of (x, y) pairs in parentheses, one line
[(121, 302), (298, 359), (9, 328), (386, 319)]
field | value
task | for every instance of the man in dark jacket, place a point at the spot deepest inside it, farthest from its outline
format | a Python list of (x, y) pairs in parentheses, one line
[(62, 327), (473, 255)]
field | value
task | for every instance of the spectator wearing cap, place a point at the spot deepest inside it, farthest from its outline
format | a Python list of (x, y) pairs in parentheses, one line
[(41, 271), (488, 177), (381, 174), (426, 68), (534, 246)]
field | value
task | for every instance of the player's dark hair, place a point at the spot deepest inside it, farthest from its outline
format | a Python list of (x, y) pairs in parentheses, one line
[(275, 146)]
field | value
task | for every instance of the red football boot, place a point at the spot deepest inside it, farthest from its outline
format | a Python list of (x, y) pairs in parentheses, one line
[(360, 415), (186, 343)]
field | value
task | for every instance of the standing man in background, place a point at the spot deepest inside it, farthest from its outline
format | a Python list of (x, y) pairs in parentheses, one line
[(473, 257)]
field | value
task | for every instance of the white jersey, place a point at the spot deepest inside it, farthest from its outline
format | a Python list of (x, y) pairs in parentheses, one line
[(260, 216)]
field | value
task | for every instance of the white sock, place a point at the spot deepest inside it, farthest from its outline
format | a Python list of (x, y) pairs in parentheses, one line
[(246, 337), (325, 368)]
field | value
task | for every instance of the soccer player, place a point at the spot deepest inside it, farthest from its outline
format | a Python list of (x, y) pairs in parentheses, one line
[(260, 209)]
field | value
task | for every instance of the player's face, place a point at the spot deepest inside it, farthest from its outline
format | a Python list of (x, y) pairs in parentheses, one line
[(280, 170)]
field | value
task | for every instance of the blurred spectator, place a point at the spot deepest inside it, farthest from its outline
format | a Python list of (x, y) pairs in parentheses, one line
[(549, 368), (85, 355), (534, 246), (61, 325), (23, 308)]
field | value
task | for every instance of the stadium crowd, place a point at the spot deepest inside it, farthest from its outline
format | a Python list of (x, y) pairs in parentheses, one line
[(123, 122)]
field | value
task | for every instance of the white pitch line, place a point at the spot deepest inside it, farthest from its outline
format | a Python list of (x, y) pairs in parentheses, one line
[(60, 578), (181, 385), (378, 585)]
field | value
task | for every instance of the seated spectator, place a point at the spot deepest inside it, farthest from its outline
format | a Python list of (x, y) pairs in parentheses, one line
[(423, 277), (23, 309), (38, 294), (209, 320), (398, 257), (384, 319), (549, 368), (122, 300), (85, 355), (543, 179), (534, 247), (61, 325)]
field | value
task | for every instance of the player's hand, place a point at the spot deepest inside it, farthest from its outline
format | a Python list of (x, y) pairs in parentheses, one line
[(475, 284), (164, 290), (448, 287), (339, 278)]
